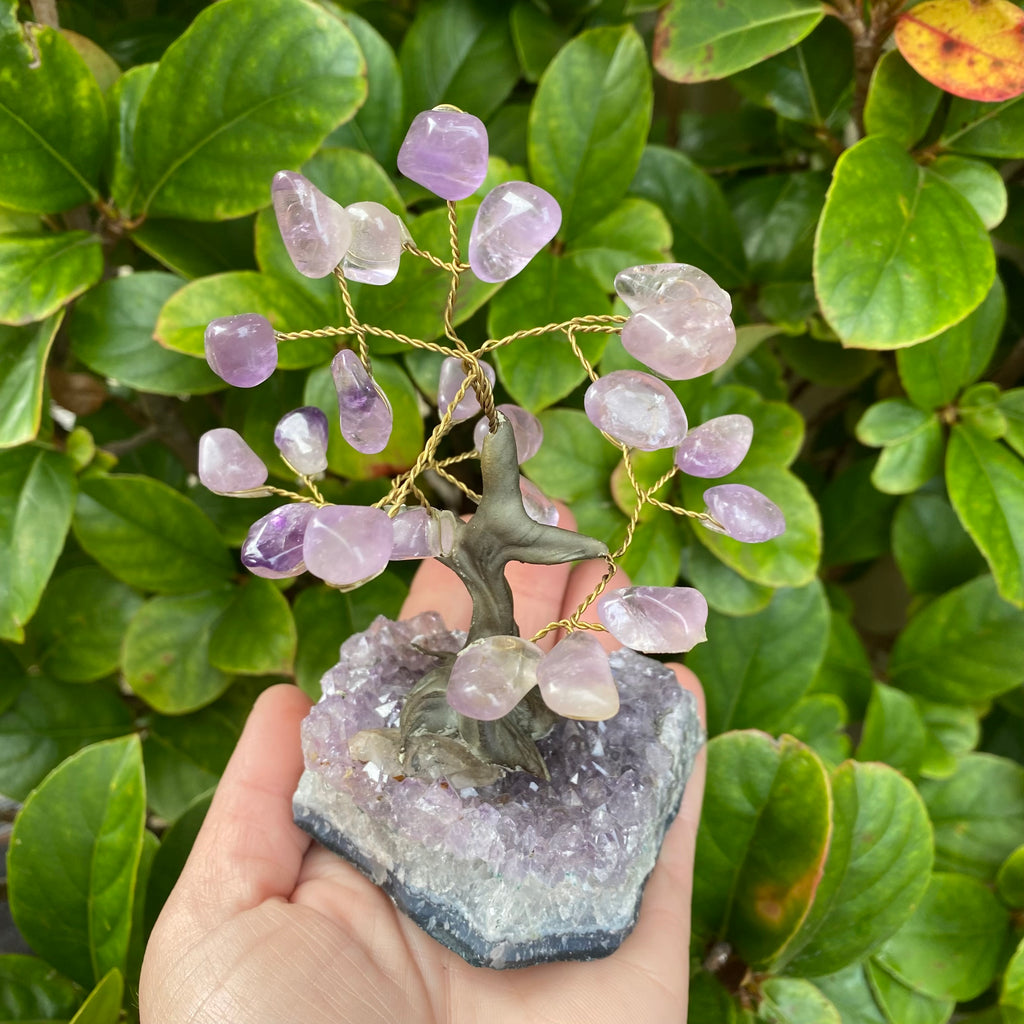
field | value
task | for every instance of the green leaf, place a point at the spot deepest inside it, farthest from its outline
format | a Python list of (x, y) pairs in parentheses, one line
[(111, 332), (695, 41), (652, 559), (910, 463), (1010, 879), (849, 991), (900, 254), (978, 814), (149, 535), (33, 992), (903, 1004), (53, 123), (39, 274), (23, 355), (979, 183), (574, 461), (138, 937), (795, 1001), (951, 732), (708, 1000), (986, 487), (75, 910), (704, 232), (756, 667), (196, 249), (123, 102), (348, 176), (588, 123), (725, 589), (900, 103), (226, 89), (1012, 407), (950, 948), (537, 38), (985, 129), (1011, 996), (893, 732), (37, 493), (819, 720), (540, 370), (256, 634), (980, 411), (846, 670), (103, 1004), (890, 422), (855, 516), (965, 647), (762, 842), (167, 651)]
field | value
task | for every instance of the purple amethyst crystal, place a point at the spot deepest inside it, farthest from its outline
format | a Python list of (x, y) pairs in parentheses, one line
[(576, 680), (227, 465), (491, 676), (680, 340), (653, 284), (450, 380), (346, 545), (636, 409), (445, 151), (716, 447), (655, 620), (422, 533), (315, 229), (514, 222), (273, 547), (242, 349), (375, 251), (301, 438), (745, 513), (525, 427), (364, 409), (539, 507)]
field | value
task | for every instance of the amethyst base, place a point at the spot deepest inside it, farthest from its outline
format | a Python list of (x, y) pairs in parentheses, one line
[(521, 872)]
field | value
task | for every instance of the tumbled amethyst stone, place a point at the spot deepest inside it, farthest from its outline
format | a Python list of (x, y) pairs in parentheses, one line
[(491, 676), (445, 151), (227, 464), (422, 533), (716, 447), (273, 547), (539, 507), (526, 429), (745, 512), (680, 340), (315, 229), (655, 620), (576, 681), (363, 408), (346, 545), (375, 251), (449, 382), (652, 284), (301, 437), (514, 222), (242, 349), (636, 409)]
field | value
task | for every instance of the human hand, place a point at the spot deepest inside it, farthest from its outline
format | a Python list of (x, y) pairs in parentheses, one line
[(265, 926)]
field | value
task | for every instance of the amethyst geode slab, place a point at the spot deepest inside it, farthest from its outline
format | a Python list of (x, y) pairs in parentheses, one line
[(523, 871)]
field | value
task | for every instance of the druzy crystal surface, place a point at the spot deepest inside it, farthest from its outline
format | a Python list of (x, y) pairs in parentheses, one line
[(301, 437), (242, 349), (450, 380), (745, 512), (514, 222), (716, 447), (575, 679), (273, 546), (445, 151), (680, 340), (227, 464), (652, 284), (363, 408), (525, 870), (637, 409), (315, 229), (526, 428), (375, 251), (346, 545), (491, 676), (655, 620)]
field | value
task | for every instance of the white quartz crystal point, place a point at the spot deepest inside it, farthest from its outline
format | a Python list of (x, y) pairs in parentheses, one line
[(526, 429), (652, 284), (376, 248), (347, 545), (576, 681), (514, 222), (422, 533), (655, 620), (315, 229), (636, 409), (450, 380), (745, 513), (492, 675), (680, 340), (716, 447)]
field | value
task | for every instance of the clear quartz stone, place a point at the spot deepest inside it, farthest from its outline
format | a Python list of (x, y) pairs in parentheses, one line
[(301, 438), (315, 229), (422, 533), (346, 545), (363, 408), (656, 620), (716, 447), (539, 507), (273, 547), (376, 248), (746, 513), (680, 340), (491, 676), (514, 222), (576, 681), (227, 464), (449, 382), (652, 284), (445, 151), (242, 349), (636, 409), (526, 429)]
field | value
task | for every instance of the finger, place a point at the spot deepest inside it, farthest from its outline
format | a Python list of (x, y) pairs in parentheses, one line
[(435, 588), (582, 581)]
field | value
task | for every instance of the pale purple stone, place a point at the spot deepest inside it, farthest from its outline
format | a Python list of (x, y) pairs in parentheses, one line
[(315, 229), (227, 464), (301, 437), (636, 409), (746, 513), (346, 545), (514, 222), (680, 340), (656, 620), (363, 408), (491, 676), (539, 507), (716, 447), (576, 681), (445, 151), (652, 284), (449, 382), (526, 429), (273, 547), (241, 349), (376, 248), (422, 533)]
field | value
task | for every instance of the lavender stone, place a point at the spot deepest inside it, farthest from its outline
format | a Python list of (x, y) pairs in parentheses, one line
[(523, 871), (301, 438), (315, 229), (491, 676), (746, 513), (445, 151), (636, 409), (716, 447), (656, 620), (526, 429), (576, 681), (346, 545), (539, 507), (449, 382), (242, 349), (363, 408), (227, 464), (514, 222), (376, 248), (652, 284), (680, 340), (273, 547), (422, 533)]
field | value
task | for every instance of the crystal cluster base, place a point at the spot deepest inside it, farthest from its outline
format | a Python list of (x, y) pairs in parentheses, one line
[(523, 871)]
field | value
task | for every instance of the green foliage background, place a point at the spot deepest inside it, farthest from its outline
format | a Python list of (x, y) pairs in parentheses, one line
[(861, 856)]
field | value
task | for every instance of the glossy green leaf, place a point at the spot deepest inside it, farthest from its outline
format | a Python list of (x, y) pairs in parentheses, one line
[(819, 720), (37, 494), (696, 41), (795, 1001), (33, 992), (980, 411), (950, 948), (900, 103), (53, 123), (986, 486), (536, 36), (75, 910), (652, 558), (725, 589), (964, 647), (709, 1001), (704, 232), (193, 248), (848, 990), (137, 938), (103, 1004), (855, 516), (893, 732), (910, 463), (575, 460), (951, 732), (985, 129), (979, 183), (1011, 995), (256, 634), (226, 90), (588, 123), (762, 842), (23, 355), (1010, 879), (123, 104), (149, 535), (889, 422), (167, 651), (903, 1004), (1011, 405), (39, 274), (900, 254), (978, 814), (348, 176)]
